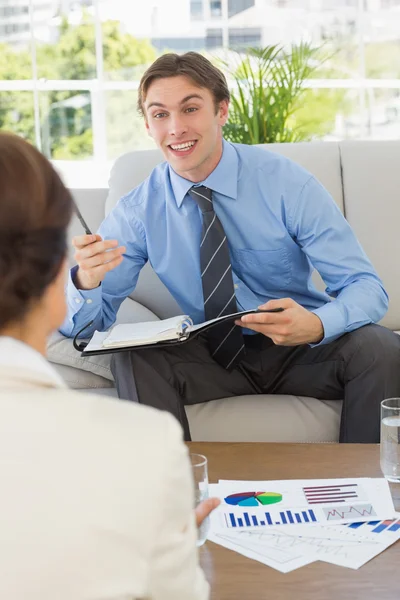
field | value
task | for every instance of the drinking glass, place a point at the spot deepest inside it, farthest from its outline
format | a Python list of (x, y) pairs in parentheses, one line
[(390, 439), (200, 477)]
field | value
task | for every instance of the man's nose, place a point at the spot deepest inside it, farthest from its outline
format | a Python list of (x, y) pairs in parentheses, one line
[(177, 127)]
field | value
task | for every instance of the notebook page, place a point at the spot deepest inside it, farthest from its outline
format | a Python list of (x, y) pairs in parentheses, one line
[(144, 333), (96, 342)]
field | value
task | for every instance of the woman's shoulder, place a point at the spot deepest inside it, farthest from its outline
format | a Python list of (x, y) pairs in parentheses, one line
[(110, 411), (105, 420)]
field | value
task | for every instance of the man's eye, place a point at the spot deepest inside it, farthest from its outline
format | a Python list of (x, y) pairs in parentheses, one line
[(191, 109), (159, 115)]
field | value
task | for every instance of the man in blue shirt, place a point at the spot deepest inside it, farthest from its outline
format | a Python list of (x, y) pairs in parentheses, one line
[(232, 227)]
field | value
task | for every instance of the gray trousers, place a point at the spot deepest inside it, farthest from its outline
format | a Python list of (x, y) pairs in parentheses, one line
[(361, 367)]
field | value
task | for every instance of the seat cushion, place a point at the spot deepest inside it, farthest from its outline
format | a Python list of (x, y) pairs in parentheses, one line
[(79, 379), (264, 418)]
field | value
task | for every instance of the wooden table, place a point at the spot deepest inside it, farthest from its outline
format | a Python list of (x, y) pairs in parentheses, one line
[(235, 577)]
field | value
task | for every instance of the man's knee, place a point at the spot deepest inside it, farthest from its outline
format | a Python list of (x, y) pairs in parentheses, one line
[(375, 346)]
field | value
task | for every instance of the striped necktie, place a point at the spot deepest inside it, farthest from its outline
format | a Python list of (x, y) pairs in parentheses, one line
[(225, 341)]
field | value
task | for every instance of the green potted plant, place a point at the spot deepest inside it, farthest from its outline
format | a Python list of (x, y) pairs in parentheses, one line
[(267, 91)]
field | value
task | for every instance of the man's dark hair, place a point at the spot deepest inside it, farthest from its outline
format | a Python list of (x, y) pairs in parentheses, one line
[(192, 65)]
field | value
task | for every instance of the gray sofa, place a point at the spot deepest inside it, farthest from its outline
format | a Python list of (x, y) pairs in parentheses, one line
[(364, 180)]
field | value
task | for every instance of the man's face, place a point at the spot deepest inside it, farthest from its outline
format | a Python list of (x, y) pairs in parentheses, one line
[(183, 121)]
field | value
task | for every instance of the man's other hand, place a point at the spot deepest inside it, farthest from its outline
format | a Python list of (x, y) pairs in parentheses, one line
[(293, 326)]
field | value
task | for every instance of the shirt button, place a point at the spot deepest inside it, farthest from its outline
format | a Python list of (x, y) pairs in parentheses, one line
[(236, 286), (89, 301), (78, 300)]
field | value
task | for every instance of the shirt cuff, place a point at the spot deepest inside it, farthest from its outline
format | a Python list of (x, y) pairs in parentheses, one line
[(333, 322), (79, 298)]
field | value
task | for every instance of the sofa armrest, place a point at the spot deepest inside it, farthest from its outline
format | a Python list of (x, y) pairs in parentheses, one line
[(60, 349)]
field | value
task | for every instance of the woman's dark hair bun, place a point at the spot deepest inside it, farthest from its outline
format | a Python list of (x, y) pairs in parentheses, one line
[(35, 210)]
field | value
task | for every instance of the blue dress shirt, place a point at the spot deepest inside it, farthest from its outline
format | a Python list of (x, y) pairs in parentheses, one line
[(280, 223)]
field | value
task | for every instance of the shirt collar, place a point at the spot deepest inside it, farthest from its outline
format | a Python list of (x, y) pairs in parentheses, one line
[(28, 363), (223, 179)]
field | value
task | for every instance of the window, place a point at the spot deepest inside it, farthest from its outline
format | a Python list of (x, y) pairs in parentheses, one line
[(216, 8), (196, 9), (75, 96), (238, 6)]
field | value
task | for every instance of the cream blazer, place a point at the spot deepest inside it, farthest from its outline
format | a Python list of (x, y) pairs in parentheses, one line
[(96, 497)]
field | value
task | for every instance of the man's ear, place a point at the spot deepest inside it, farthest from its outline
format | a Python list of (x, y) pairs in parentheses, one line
[(223, 112)]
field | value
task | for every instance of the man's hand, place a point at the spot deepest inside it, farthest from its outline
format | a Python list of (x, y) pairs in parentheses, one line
[(95, 258), (292, 327), (205, 508)]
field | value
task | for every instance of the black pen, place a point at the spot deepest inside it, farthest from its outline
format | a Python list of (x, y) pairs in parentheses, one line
[(82, 220)]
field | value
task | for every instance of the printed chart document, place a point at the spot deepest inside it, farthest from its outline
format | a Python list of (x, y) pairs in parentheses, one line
[(175, 330), (286, 549), (262, 504), (242, 522)]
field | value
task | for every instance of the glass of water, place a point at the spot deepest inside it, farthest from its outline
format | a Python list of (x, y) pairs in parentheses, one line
[(390, 439), (200, 477)]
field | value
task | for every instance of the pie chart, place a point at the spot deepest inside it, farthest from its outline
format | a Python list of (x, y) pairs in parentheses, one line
[(253, 498)]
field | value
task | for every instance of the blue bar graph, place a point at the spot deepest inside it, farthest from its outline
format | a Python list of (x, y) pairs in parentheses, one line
[(355, 525), (380, 528), (287, 517)]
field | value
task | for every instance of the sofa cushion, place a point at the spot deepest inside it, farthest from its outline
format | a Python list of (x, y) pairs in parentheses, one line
[(371, 180), (78, 379), (264, 418), (61, 351), (128, 171)]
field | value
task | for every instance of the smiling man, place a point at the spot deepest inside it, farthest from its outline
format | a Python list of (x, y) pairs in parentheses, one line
[(231, 227)]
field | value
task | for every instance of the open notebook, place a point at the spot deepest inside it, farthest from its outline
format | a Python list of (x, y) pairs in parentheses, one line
[(175, 330)]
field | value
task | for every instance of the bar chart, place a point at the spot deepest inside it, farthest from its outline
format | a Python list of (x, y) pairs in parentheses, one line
[(266, 519), (327, 494), (378, 526)]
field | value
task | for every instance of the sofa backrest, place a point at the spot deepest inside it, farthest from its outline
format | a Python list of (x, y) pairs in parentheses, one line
[(371, 184)]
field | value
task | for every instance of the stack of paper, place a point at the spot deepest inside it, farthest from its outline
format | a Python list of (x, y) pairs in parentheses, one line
[(288, 524)]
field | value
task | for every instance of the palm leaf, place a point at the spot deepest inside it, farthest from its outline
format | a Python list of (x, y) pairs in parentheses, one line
[(267, 91)]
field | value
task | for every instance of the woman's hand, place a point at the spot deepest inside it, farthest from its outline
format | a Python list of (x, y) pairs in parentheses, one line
[(205, 508)]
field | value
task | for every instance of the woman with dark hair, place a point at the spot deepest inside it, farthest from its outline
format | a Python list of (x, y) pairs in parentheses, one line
[(96, 495)]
